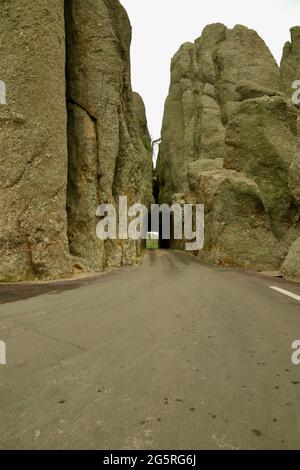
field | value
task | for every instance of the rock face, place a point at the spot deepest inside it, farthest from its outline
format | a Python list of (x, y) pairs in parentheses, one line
[(69, 136), (290, 71), (290, 63), (238, 229), (203, 93), (261, 141), (291, 266), (229, 140), (147, 165), (33, 142), (106, 153)]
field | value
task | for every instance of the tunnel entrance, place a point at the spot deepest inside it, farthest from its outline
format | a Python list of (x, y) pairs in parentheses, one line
[(152, 227), (163, 243), (153, 220)]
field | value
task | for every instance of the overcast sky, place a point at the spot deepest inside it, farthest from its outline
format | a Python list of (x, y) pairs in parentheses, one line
[(161, 26)]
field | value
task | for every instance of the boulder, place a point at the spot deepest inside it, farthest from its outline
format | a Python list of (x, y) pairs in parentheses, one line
[(237, 226), (261, 141), (198, 166), (291, 266)]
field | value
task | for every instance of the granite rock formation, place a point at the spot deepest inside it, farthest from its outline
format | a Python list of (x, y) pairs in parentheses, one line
[(106, 152), (33, 142), (290, 62), (147, 165), (290, 72), (69, 136), (230, 140)]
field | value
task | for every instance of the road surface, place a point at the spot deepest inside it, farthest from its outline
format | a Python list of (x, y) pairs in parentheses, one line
[(172, 354)]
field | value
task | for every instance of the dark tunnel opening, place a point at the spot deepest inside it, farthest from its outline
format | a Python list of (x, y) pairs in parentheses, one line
[(164, 244), (153, 219)]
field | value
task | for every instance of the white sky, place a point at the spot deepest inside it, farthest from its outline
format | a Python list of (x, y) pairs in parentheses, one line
[(161, 26)]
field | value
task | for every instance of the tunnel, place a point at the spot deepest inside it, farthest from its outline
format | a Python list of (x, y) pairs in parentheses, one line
[(163, 243), (152, 222)]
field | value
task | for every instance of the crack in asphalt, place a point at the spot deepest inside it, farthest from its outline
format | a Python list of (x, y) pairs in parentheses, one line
[(57, 339)]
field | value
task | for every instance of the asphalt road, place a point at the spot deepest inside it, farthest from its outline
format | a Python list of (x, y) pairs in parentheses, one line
[(171, 354)]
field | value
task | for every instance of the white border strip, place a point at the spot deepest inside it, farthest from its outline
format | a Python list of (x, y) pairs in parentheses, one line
[(286, 292)]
